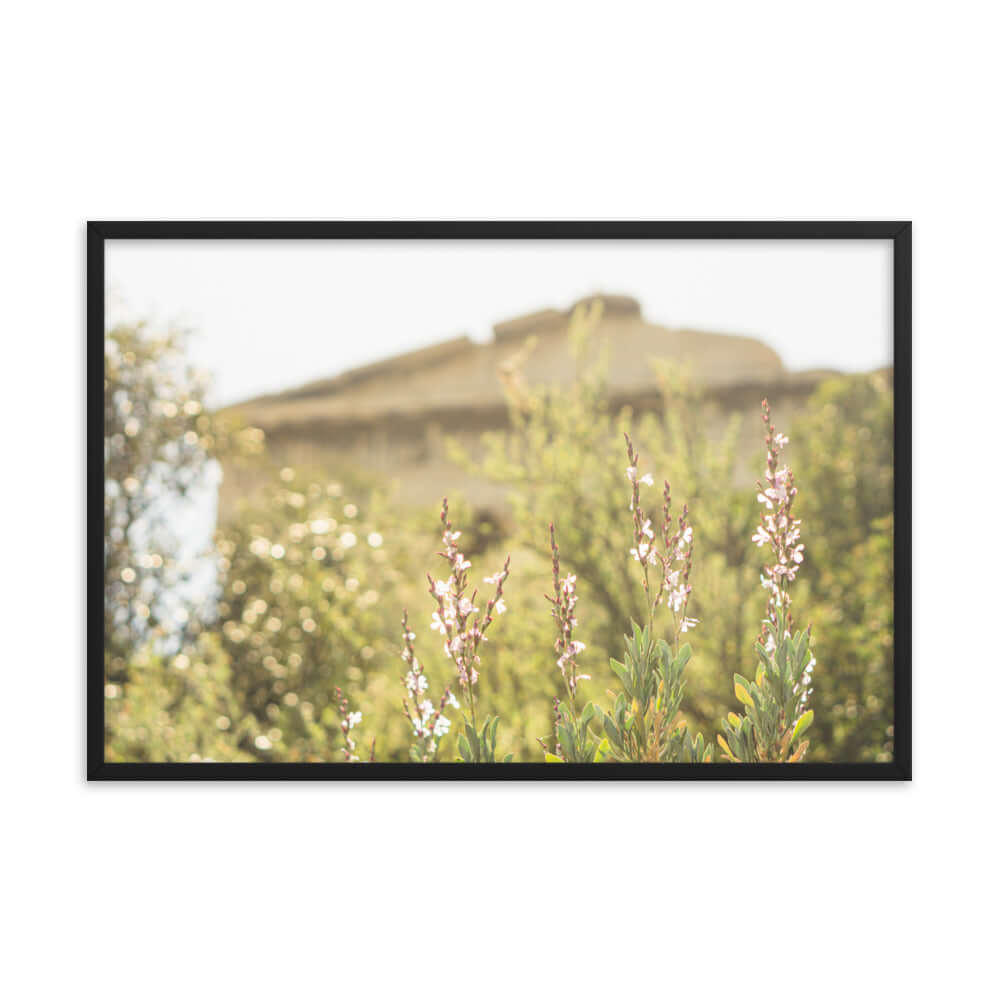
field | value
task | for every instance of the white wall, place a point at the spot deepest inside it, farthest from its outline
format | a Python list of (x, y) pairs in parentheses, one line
[(852, 110)]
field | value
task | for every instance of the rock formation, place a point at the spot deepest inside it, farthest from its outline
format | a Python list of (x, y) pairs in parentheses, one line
[(392, 417)]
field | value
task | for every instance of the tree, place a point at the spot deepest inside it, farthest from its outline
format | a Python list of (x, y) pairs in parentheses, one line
[(158, 446)]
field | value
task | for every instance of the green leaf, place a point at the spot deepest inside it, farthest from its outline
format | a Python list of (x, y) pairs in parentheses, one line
[(611, 730), (550, 758), (742, 694), (725, 746), (805, 721), (683, 655), (464, 749)]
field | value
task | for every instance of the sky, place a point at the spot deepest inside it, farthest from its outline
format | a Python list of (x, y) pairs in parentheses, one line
[(270, 315)]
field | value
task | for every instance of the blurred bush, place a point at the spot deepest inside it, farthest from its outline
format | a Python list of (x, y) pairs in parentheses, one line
[(179, 708), (308, 605), (845, 477)]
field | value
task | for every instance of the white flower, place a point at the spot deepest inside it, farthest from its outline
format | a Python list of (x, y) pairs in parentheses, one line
[(453, 701), (647, 529), (780, 440), (677, 597), (465, 607), (689, 623), (500, 607), (442, 726), (437, 624), (415, 683), (442, 588), (576, 647), (353, 719), (642, 553), (497, 577), (760, 536), (461, 562), (631, 472)]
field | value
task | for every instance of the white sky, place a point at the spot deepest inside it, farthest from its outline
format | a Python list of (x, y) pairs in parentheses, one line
[(270, 315)]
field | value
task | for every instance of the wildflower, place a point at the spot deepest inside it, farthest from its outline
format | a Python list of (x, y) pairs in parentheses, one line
[(415, 682), (780, 530), (678, 598), (457, 617), (631, 472), (348, 721), (428, 722), (563, 603), (641, 553), (675, 556)]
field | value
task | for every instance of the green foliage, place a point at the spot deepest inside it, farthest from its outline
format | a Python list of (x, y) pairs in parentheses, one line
[(179, 708), (643, 726), (845, 471), (774, 716), (480, 747), (576, 744), (308, 594)]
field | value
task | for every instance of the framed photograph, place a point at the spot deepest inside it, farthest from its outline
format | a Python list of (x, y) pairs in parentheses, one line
[(505, 500)]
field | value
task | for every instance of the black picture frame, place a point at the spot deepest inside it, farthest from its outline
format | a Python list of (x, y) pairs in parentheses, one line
[(898, 232)]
